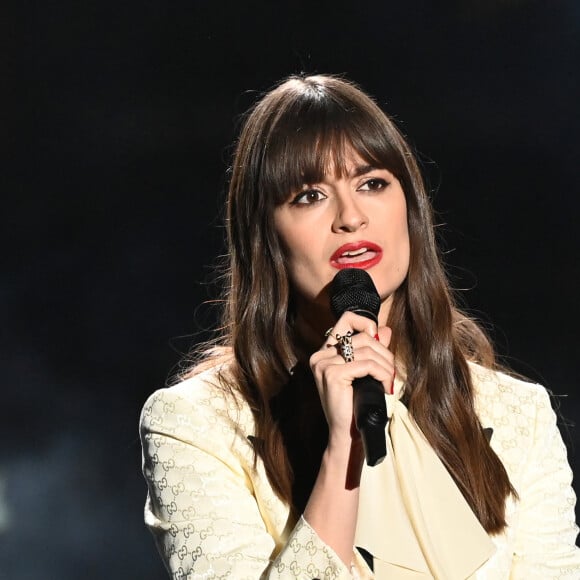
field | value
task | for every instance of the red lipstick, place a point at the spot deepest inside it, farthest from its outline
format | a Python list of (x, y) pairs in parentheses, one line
[(362, 254)]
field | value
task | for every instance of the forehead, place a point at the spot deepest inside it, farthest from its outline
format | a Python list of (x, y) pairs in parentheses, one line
[(308, 154), (349, 164), (338, 162)]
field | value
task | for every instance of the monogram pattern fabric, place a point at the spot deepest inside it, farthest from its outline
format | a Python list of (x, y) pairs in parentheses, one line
[(540, 540), (213, 513)]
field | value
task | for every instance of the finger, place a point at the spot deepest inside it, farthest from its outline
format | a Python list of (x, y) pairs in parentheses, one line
[(353, 322), (360, 340), (366, 352), (364, 340), (385, 334), (330, 368), (381, 355), (342, 375)]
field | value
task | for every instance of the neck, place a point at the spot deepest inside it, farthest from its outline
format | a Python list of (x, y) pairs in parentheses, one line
[(384, 310), (312, 321)]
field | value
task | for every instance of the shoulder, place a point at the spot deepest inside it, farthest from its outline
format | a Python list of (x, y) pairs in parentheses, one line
[(498, 394), (205, 399), (519, 413)]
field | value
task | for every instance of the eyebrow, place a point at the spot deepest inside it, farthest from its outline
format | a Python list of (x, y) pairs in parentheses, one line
[(362, 170), (356, 172)]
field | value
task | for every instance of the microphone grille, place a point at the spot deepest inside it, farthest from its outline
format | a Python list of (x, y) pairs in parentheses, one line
[(353, 289)]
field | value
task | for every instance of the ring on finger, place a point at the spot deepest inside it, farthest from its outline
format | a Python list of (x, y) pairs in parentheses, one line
[(344, 342)]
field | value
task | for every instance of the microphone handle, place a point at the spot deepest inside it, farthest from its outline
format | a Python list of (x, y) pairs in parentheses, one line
[(370, 415)]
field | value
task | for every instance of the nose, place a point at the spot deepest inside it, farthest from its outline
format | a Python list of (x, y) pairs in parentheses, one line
[(350, 216)]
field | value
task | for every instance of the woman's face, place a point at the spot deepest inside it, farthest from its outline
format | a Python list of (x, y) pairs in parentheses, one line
[(355, 221)]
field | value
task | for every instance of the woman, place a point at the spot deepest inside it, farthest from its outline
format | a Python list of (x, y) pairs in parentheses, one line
[(254, 466)]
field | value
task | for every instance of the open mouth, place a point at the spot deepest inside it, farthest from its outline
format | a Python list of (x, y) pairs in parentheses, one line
[(356, 255)]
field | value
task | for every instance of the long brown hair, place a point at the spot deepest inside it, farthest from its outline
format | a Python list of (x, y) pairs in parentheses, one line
[(291, 136)]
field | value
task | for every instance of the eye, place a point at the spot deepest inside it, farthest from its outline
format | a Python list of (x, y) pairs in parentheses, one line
[(374, 184), (308, 197)]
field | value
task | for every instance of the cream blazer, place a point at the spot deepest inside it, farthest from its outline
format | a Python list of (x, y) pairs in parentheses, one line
[(214, 515)]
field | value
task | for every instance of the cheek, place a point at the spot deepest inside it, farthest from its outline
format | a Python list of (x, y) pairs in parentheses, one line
[(294, 245), (401, 241), (404, 257), (405, 243), (301, 265), (305, 267)]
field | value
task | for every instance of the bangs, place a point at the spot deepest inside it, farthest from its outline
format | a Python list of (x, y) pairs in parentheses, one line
[(316, 134)]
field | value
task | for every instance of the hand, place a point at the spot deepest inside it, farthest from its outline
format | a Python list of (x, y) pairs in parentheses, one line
[(334, 376)]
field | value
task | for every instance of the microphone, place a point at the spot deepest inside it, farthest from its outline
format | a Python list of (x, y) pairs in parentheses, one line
[(352, 289)]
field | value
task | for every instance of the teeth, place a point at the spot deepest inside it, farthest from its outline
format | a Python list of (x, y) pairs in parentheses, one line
[(355, 252)]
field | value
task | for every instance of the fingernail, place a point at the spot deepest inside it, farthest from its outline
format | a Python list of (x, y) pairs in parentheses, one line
[(376, 337)]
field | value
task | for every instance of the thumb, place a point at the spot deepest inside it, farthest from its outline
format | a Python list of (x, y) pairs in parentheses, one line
[(384, 335)]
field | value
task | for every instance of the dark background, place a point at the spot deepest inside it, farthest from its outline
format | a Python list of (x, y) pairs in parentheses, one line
[(116, 130)]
